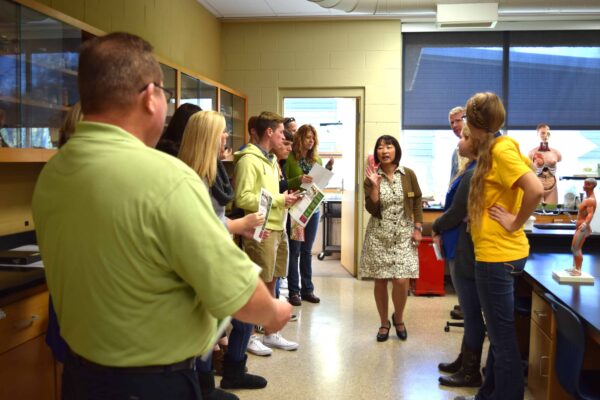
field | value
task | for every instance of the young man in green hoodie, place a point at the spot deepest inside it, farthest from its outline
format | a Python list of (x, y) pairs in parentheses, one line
[(255, 169)]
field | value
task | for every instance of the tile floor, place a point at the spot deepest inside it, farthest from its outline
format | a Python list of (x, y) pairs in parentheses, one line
[(339, 357)]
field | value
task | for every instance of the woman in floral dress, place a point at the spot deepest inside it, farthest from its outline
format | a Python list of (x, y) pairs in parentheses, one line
[(393, 198)]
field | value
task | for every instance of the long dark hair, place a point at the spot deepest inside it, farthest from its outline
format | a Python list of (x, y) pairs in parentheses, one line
[(170, 141), (387, 139)]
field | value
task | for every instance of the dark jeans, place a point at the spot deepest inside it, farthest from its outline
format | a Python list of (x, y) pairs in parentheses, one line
[(204, 365), (468, 298), (503, 370), (303, 251), (238, 340), (84, 382), (53, 338)]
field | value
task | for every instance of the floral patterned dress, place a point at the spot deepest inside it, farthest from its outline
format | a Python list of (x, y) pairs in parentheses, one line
[(388, 251)]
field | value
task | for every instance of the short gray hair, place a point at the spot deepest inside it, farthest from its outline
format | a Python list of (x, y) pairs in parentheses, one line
[(456, 110)]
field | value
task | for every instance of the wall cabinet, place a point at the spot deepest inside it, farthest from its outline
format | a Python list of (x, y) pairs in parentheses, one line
[(195, 91), (170, 84), (233, 107), (214, 97), (38, 60), (38, 64)]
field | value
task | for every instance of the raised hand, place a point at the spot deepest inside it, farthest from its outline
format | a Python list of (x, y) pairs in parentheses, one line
[(329, 164), (373, 176)]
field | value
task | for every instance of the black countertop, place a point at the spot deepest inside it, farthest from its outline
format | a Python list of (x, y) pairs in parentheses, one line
[(16, 279), (12, 281), (583, 299)]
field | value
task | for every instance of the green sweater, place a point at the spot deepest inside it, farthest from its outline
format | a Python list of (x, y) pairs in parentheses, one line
[(294, 173)]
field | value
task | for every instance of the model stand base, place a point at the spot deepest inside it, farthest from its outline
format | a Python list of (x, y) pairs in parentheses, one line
[(565, 277)]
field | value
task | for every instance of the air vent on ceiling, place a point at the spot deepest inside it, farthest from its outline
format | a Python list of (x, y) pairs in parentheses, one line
[(473, 15)]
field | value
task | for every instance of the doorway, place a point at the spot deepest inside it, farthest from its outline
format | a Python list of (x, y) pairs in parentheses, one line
[(336, 115)]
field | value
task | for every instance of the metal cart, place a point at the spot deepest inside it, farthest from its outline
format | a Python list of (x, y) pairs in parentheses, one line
[(331, 209)]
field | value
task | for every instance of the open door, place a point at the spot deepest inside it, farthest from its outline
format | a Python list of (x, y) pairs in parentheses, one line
[(335, 111), (349, 193)]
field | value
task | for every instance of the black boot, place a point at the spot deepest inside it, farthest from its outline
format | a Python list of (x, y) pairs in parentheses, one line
[(209, 392), (455, 365), (468, 375), (235, 376)]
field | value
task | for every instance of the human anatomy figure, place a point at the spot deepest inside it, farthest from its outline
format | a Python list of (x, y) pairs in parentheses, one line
[(544, 159), (585, 213)]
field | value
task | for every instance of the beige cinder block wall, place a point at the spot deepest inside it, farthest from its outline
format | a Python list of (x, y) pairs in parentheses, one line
[(259, 58), (181, 31)]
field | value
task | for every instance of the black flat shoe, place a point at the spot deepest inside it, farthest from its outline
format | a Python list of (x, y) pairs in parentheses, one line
[(402, 334), (382, 337)]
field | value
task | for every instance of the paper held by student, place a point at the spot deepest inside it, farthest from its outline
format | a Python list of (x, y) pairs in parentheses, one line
[(437, 251), (264, 207), (307, 205), (321, 177)]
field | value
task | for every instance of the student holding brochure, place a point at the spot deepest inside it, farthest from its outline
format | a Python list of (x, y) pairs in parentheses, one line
[(301, 160), (256, 171)]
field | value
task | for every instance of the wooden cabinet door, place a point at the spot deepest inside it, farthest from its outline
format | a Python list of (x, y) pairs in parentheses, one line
[(539, 363), (27, 372)]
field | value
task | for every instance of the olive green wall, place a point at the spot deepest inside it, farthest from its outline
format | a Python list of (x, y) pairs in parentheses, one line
[(181, 31), (262, 58)]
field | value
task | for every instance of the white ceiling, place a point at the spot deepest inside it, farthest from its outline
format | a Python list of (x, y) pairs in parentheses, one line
[(266, 8), (425, 9)]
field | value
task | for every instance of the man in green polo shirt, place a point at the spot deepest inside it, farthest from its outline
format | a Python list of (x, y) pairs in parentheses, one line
[(139, 267)]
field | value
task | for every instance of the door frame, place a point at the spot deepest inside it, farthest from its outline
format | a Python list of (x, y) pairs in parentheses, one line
[(358, 93)]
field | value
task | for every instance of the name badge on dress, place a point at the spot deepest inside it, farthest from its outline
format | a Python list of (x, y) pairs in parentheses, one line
[(411, 194)]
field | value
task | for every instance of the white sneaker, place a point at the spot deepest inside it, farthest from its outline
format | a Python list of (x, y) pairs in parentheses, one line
[(275, 340), (283, 284), (256, 347)]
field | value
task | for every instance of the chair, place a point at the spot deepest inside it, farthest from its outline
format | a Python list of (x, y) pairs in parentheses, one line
[(570, 348), (455, 324), (460, 324)]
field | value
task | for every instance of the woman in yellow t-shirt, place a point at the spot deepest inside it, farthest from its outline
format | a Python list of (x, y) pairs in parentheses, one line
[(504, 192)]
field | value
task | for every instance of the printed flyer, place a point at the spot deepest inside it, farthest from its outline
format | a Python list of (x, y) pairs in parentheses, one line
[(264, 207), (307, 205)]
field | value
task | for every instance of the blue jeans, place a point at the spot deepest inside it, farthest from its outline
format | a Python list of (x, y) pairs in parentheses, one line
[(238, 340), (503, 370), (468, 298), (303, 251)]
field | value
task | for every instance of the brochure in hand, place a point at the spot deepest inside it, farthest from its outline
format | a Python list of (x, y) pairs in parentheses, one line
[(321, 177), (264, 207), (307, 205)]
